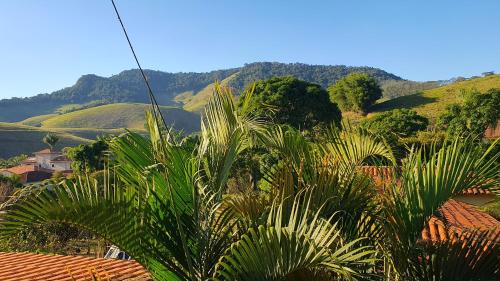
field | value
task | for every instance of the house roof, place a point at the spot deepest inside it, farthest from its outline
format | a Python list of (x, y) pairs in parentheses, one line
[(452, 219), (48, 151), (28, 266), (61, 158), (455, 218), (23, 169)]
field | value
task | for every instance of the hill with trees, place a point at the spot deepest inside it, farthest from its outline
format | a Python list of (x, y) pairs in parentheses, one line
[(434, 102), (170, 88)]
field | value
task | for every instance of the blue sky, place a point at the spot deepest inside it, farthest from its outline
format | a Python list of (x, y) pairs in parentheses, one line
[(47, 45)]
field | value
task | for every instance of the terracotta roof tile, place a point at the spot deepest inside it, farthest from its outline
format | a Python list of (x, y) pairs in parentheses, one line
[(455, 218), (48, 151), (28, 266), (22, 169)]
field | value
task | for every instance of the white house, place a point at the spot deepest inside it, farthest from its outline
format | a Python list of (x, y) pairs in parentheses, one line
[(51, 160), (40, 167)]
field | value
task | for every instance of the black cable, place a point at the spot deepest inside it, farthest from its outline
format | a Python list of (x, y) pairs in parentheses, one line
[(152, 98)]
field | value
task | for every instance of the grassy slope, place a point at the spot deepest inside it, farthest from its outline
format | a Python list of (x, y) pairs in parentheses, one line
[(432, 103), (197, 102), (17, 139), (121, 115), (81, 126), (36, 121)]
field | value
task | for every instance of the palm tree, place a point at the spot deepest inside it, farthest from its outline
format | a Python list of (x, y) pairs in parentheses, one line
[(168, 206), (50, 140)]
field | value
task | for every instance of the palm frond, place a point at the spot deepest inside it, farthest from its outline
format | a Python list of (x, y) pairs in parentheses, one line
[(297, 245)]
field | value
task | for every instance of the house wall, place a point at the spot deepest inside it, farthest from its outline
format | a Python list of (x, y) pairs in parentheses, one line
[(43, 160), (60, 166)]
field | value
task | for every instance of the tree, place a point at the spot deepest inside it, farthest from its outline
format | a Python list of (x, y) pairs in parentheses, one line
[(478, 111), (400, 122), (355, 92), (50, 140), (320, 220), (288, 100), (88, 157)]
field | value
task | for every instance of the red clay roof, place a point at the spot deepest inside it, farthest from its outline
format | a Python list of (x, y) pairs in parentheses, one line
[(28, 266), (47, 151), (19, 170), (454, 218), (22, 169)]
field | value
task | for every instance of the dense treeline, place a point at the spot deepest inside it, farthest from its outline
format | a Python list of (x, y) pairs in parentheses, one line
[(323, 75)]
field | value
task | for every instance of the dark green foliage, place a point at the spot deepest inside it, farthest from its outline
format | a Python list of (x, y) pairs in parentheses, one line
[(50, 140), (355, 92), (54, 238), (7, 186), (288, 100), (474, 115), (88, 157), (401, 122), (128, 86), (323, 75), (12, 161)]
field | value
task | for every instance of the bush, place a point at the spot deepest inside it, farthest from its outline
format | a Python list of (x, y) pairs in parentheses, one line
[(477, 112), (355, 92), (401, 122)]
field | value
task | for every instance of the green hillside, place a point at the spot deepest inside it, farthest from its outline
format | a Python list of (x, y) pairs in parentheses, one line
[(121, 115), (36, 121), (18, 139), (432, 103), (197, 102), (171, 89)]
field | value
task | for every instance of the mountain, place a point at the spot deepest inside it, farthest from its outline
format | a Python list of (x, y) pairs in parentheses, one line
[(173, 89)]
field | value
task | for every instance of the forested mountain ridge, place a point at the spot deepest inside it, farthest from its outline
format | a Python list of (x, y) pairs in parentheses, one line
[(128, 86)]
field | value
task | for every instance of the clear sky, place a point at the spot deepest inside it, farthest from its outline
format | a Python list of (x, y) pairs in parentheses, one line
[(47, 45)]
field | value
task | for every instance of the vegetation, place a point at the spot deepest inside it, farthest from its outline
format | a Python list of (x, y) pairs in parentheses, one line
[(88, 158), (12, 161), (432, 103), (317, 218), (128, 86), (323, 75), (398, 88), (36, 121), (121, 115), (75, 107), (50, 140), (396, 123), (288, 100), (355, 92), (197, 102), (18, 139), (474, 115)]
